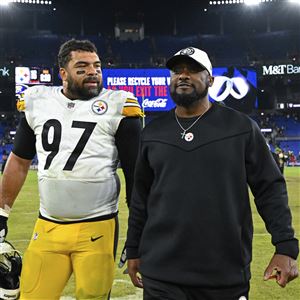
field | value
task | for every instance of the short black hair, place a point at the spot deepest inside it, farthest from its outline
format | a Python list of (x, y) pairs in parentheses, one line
[(64, 54)]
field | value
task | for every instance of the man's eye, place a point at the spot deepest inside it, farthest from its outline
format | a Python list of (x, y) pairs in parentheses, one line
[(177, 71)]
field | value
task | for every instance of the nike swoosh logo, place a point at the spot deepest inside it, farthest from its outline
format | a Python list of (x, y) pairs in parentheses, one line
[(93, 239)]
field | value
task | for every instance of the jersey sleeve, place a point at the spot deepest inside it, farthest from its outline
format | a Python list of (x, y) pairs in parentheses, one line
[(24, 142), (131, 107), (127, 141)]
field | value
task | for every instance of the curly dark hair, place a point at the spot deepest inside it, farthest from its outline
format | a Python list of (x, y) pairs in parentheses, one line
[(64, 54)]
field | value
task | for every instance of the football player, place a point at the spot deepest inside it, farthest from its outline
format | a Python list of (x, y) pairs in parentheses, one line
[(80, 132)]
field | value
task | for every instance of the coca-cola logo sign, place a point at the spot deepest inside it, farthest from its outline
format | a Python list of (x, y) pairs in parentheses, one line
[(160, 102)]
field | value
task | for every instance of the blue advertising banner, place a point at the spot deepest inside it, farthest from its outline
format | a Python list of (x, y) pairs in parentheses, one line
[(150, 86), (235, 86)]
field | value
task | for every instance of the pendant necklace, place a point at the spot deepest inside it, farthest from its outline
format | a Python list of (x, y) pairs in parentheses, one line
[(189, 136)]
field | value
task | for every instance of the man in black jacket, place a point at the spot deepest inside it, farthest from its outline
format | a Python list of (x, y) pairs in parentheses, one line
[(190, 225)]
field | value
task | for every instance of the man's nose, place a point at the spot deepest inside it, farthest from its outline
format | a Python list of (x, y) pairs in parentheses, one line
[(184, 73), (92, 70)]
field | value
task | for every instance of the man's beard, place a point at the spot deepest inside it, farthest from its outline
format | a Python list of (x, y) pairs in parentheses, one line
[(187, 100), (82, 92)]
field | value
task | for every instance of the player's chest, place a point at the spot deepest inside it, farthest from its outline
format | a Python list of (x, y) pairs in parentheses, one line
[(70, 116)]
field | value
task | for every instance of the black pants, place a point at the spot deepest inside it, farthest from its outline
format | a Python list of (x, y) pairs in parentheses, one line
[(159, 290)]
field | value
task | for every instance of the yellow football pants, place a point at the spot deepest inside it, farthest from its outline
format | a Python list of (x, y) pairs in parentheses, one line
[(57, 250)]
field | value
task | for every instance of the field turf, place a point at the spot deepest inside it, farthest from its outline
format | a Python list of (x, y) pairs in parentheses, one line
[(25, 212)]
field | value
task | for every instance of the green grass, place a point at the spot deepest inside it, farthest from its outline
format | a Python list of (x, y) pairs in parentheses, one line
[(25, 212), (263, 249)]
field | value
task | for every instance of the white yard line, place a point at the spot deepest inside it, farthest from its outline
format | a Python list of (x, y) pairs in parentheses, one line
[(116, 281), (27, 213), (137, 296), (13, 241), (262, 234), (122, 239)]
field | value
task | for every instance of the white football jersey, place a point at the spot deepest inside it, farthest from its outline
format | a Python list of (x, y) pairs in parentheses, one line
[(77, 156)]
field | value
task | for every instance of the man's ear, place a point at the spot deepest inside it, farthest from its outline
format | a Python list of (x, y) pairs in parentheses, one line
[(63, 74), (211, 80)]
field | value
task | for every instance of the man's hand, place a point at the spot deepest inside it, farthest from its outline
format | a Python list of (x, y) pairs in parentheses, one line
[(133, 266), (282, 268), (3, 228)]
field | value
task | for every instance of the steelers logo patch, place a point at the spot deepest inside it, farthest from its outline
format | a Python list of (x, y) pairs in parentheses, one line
[(187, 51), (99, 107)]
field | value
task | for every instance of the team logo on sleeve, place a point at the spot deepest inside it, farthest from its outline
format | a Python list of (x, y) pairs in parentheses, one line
[(99, 107)]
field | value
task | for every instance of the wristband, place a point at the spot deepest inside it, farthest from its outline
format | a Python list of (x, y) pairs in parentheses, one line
[(5, 211)]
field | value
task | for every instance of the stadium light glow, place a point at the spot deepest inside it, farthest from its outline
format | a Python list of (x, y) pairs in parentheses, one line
[(27, 2), (295, 1), (252, 2), (4, 2), (266, 130), (247, 2)]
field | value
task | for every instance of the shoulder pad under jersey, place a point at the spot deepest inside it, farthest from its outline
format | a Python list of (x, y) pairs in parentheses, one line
[(36, 92), (131, 107)]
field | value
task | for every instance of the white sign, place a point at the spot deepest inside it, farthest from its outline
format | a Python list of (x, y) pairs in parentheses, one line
[(224, 86), (281, 69), (4, 72)]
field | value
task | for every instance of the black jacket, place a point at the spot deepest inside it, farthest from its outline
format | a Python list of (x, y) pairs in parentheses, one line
[(190, 219)]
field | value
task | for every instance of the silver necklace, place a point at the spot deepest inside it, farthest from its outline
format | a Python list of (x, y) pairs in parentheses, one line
[(189, 136)]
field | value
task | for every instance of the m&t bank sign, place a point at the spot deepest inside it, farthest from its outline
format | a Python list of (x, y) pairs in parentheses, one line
[(4, 71), (286, 69)]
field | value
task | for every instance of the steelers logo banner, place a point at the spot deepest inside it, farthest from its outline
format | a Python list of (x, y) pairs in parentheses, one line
[(22, 75), (99, 107)]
